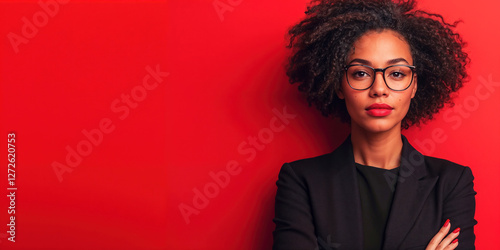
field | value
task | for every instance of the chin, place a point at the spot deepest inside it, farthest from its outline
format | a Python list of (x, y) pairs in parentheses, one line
[(380, 125)]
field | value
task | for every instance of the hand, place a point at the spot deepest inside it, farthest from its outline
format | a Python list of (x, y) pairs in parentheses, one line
[(448, 243)]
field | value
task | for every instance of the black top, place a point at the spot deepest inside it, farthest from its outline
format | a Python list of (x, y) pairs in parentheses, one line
[(376, 189)]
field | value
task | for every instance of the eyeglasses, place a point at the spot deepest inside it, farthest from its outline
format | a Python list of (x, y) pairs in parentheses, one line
[(396, 77)]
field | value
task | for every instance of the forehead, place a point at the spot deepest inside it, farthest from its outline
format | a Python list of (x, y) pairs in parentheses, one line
[(380, 46)]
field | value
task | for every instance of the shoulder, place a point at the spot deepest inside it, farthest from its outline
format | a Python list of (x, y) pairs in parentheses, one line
[(312, 162), (325, 164), (309, 167), (432, 166), (321, 168), (445, 168), (452, 176)]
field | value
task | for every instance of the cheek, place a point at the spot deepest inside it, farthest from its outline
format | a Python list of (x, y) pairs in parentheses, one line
[(404, 101), (351, 99), (355, 104)]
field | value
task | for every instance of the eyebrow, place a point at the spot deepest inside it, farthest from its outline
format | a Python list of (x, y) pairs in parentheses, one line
[(366, 62)]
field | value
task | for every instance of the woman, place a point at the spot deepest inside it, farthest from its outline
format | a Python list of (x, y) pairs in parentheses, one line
[(382, 67)]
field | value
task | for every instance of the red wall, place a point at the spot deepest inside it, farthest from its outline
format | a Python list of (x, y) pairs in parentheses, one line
[(124, 111)]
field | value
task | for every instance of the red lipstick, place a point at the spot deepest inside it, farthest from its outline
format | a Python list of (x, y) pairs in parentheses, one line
[(379, 109)]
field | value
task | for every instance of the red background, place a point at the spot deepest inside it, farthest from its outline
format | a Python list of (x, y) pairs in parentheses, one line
[(225, 78)]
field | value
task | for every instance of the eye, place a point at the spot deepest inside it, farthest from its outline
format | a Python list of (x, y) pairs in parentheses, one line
[(360, 74), (397, 75)]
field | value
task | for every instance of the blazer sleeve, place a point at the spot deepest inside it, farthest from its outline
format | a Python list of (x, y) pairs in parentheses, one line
[(459, 206), (293, 218)]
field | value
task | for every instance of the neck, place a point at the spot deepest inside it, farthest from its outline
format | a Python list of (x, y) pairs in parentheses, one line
[(381, 150)]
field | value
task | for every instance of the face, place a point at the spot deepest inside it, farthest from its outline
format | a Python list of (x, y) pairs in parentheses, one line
[(378, 49)]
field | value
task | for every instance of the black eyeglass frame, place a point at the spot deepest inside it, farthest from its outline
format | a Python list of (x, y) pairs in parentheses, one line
[(383, 75)]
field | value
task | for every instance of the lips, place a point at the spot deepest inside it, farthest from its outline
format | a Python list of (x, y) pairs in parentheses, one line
[(379, 109)]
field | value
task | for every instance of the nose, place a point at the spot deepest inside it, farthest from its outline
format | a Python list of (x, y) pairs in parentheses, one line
[(379, 88)]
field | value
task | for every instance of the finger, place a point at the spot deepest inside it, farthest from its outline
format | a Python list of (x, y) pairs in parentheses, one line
[(452, 245), (450, 238), (446, 242), (440, 235)]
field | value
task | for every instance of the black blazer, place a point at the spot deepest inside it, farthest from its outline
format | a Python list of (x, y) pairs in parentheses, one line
[(318, 204)]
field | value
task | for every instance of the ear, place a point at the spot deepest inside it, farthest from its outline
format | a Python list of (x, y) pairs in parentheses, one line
[(340, 94), (415, 86)]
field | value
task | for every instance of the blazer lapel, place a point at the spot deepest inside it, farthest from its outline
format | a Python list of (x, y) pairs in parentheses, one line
[(411, 191), (346, 192)]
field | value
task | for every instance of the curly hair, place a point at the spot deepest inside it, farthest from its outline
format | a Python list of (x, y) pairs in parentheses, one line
[(321, 43)]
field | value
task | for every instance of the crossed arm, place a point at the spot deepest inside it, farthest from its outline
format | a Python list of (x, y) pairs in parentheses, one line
[(295, 227)]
